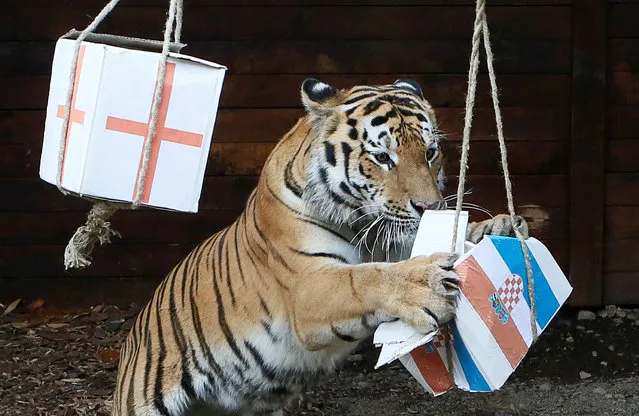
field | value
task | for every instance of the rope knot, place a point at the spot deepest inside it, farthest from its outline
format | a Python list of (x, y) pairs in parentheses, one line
[(96, 229)]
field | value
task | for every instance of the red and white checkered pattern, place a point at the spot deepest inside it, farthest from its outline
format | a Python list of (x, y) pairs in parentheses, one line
[(511, 292), (439, 341)]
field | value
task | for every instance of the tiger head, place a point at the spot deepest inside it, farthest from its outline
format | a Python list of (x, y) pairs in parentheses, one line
[(375, 155)]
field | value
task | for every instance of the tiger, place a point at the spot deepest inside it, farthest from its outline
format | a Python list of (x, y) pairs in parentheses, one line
[(315, 262)]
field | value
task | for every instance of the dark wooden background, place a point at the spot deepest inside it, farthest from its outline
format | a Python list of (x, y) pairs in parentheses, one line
[(569, 78)]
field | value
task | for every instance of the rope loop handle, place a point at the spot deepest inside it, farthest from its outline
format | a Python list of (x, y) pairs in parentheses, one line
[(97, 227), (480, 30)]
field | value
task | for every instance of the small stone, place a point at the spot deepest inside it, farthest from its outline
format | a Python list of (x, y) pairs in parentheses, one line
[(608, 396), (545, 387), (637, 322), (585, 315), (632, 316), (600, 390), (570, 340), (594, 353), (621, 313), (580, 327), (604, 363), (611, 310), (611, 347), (583, 375)]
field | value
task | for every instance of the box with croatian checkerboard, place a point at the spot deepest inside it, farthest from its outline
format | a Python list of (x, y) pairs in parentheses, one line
[(492, 328)]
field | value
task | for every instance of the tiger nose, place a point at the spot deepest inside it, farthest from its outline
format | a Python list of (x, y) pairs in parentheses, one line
[(422, 206)]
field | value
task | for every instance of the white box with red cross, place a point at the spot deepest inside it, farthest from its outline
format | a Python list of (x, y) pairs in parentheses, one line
[(109, 120)]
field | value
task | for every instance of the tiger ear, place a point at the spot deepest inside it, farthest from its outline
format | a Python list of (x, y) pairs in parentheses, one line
[(409, 85), (318, 98)]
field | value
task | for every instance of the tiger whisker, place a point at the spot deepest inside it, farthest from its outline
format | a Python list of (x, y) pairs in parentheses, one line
[(476, 206), (365, 237), (364, 231), (360, 217), (362, 207), (454, 196)]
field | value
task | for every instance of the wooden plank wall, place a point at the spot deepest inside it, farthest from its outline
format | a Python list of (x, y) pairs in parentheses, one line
[(270, 47), (621, 263)]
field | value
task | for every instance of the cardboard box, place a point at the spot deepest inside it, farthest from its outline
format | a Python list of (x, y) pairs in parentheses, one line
[(109, 118), (491, 332)]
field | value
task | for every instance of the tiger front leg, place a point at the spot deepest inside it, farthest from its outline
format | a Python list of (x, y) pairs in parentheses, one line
[(500, 225), (420, 291)]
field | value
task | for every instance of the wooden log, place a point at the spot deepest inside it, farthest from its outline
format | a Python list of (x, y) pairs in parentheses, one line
[(301, 3), (23, 161), (283, 23), (161, 227), (127, 260), (541, 190), (142, 226), (441, 90), (113, 260), (269, 125), (283, 91), (71, 292), (355, 56), (587, 151), (525, 158), (231, 192)]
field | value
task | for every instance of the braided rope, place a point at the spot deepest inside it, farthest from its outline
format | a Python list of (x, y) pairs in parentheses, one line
[(481, 28), (97, 228), (508, 185), (157, 98), (67, 105)]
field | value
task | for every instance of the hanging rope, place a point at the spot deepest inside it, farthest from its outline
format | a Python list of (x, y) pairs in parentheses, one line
[(508, 185), (97, 227), (72, 74), (157, 99), (481, 28)]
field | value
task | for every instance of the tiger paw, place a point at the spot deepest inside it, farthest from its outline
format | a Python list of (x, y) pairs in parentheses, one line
[(422, 292), (500, 225)]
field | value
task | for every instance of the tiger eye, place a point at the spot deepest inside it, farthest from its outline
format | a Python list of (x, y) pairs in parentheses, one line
[(382, 157)]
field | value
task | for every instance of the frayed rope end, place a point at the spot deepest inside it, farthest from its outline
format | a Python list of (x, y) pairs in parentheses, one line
[(97, 228)]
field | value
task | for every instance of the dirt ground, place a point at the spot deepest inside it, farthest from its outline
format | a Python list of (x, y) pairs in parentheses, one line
[(56, 362)]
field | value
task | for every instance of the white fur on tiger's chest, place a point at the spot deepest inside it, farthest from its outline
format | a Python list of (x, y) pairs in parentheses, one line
[(320, 240)]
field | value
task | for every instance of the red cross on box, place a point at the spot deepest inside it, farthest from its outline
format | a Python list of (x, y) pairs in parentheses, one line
[(75, 115), (162, 133)]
